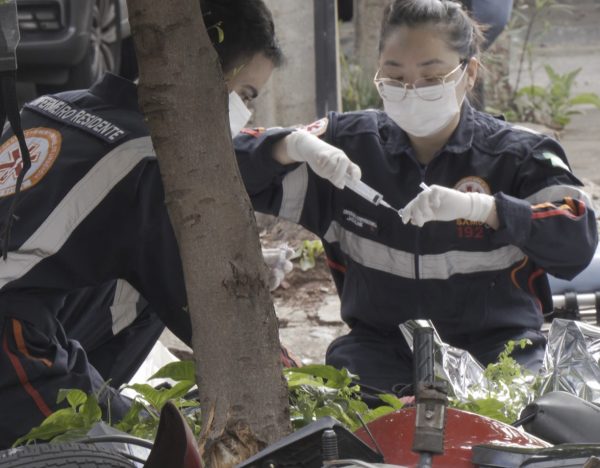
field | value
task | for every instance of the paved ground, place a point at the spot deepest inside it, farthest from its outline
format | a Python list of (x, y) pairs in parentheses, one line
[(573, 42)]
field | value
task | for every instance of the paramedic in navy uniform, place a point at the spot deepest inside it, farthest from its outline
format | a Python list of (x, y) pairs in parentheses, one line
[(93, 259), (471, 253)]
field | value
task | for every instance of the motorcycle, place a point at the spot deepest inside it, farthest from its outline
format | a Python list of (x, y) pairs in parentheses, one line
[(562, 429)]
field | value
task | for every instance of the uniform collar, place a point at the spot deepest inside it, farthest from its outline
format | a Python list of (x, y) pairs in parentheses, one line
[(117, 91), (396, 140)]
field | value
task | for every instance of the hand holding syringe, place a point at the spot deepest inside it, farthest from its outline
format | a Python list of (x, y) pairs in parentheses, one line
[(362, 189), (425, 188)]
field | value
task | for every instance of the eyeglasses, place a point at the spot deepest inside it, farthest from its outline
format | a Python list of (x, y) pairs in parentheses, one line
[(428, 89)]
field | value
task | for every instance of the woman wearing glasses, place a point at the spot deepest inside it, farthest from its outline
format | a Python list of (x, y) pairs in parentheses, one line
[(471, 251)]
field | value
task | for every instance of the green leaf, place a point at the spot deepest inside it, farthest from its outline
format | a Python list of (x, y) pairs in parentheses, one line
[(131, 418), (334, 377), (148, 393), (91, 411), (177, 391), (585, 98), (178, 371), (378, 413), (391, 400), (75, 397), (532, 91), (44, 432)]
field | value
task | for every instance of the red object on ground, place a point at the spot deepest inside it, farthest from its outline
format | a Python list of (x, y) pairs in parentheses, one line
[(394, 435)]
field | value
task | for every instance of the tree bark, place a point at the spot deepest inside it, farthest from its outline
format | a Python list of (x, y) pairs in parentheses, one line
[(244, 398), (368, 15)]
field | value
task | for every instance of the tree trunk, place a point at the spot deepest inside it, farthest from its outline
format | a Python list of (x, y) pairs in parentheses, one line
[(368, 15), (235, 337)]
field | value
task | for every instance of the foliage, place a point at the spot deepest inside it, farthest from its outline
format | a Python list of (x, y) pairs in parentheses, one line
[(142, 418), (317, 391), (553, 104), (509, 389), (71, 422), (358, 90), (308, 253)]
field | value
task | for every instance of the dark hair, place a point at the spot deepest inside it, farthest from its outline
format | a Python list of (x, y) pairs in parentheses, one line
[(240, 29), (463, 34)]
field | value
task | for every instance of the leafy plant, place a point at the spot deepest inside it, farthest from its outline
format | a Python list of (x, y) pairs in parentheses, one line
[(358, 90), (509, 389), (83, 412), (552, 105), (317, 391), (308, 253), (142, 418)]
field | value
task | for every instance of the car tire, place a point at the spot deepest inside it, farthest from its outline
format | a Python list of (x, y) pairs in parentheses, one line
[(104, 53), (62, 456)]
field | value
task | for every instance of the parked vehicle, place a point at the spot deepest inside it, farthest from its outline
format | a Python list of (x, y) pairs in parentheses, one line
[(68, 44)]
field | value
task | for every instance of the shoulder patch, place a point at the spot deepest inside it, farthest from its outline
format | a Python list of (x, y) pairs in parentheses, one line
[(473, 184), (255, 132), (44, 145), (317, 128), (550, 158), (69, 114)]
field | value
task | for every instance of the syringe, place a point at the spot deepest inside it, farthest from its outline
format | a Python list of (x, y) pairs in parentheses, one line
[(362, 189), (425, 188)]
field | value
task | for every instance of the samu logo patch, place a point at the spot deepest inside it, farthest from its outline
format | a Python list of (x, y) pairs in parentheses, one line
[(44, 145)]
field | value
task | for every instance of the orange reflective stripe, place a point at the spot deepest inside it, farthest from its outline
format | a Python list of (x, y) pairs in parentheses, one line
[(513, 274), (22, 347), (335, 266), (33, 393), (532, 278)]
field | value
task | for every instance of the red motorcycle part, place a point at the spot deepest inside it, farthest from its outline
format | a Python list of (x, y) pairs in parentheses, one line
[(394, 434), (175, 445)]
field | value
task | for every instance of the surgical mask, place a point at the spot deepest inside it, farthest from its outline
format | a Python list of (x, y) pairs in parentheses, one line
[(424, 114), (239, 114)]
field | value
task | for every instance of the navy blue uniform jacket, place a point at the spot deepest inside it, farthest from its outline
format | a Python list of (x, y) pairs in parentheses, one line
[(466, 277)]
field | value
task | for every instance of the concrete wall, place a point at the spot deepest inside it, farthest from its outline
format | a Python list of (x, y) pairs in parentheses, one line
[(290, 96)]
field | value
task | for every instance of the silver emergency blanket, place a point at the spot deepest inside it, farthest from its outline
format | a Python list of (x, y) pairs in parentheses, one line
[(572, 360), (456, 366)]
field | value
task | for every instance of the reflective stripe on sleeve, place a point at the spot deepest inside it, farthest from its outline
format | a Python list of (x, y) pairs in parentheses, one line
[(124, 307), (81, 200), (383, 258), (295, 186)]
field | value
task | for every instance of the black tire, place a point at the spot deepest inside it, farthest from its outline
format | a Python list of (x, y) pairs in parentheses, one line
[(104, 53), (62, 456)]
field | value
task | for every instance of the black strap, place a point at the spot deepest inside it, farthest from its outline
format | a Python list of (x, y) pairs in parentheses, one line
[(9, 109)]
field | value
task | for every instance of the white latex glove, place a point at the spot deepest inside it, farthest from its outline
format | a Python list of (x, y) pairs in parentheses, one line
[(446, 204), (278, 261), (325, 160)]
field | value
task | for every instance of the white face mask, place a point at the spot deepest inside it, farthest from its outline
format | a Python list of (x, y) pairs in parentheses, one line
[(418, 116), (239, 114)]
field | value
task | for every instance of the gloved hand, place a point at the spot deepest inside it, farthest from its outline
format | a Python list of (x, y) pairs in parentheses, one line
[(446, 204), (325, 160), (278, 261)]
